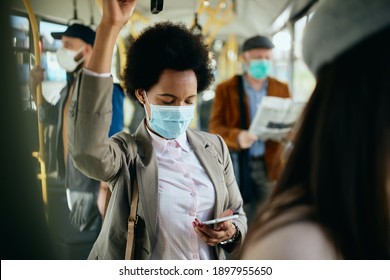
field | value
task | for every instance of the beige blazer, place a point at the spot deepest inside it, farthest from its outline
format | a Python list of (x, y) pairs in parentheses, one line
[(118, 159)]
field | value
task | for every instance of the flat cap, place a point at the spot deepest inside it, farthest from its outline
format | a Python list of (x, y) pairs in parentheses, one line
[(338, 25), (256, 42)]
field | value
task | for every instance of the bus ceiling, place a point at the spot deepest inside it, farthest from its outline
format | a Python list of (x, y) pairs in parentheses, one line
[(242, 18)]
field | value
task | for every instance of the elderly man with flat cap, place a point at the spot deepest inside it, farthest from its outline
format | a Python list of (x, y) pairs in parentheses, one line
[(234, 107), (79, 225)]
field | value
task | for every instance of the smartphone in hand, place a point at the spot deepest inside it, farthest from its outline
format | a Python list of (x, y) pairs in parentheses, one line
[(220, 220)]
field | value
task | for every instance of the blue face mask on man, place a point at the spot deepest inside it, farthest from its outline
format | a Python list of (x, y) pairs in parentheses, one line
[(259, 68), (170, 121)]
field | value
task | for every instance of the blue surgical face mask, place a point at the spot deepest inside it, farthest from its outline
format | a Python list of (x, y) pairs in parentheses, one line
[(259, 68), (170, 121)]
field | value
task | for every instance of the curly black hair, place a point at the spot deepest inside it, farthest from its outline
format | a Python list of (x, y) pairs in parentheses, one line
[(166, 45)]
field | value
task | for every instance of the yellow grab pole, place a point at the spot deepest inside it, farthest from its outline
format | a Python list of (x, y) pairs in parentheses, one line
[(41, 154)]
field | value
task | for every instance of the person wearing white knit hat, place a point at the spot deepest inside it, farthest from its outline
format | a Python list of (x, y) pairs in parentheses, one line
[(339, 25), (333, 198)]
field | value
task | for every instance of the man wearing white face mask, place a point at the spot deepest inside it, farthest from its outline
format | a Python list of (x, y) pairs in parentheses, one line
[(234, 107), (84, 195)]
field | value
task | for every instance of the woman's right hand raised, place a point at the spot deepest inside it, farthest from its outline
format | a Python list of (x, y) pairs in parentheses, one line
[(117, 12)]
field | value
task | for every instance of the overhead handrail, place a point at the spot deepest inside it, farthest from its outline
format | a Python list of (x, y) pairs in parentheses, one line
[(75, 18), (92, 20), (196, 27), (156, 6), (41, 154)]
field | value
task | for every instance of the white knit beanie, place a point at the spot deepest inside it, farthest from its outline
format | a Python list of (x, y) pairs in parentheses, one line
[(337, 25)]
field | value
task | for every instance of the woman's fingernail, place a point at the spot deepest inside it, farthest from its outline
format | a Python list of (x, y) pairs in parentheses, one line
[(193, 224)]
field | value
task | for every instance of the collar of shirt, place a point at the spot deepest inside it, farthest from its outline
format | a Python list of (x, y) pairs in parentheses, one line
[(160, 144), (254, 97), (248, 88)]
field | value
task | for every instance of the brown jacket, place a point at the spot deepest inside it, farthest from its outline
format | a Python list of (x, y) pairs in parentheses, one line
[(225, 118)]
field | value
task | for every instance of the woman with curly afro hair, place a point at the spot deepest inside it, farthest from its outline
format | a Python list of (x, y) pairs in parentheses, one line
[(184, 176)]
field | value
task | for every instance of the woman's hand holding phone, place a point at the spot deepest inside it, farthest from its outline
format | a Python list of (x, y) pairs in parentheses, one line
[(224, 229)]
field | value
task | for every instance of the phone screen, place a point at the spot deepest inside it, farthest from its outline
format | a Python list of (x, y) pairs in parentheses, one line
[(220, 220)]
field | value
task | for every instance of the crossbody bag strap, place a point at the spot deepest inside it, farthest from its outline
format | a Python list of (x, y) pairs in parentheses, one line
[(132, 222), (133, 218), (107, 200), (241, 94)]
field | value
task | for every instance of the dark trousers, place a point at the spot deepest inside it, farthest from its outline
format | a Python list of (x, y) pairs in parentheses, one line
[(69, 243), (260, 186)]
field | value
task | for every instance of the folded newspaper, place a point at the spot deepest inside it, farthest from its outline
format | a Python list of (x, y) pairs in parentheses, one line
[(275, 117)]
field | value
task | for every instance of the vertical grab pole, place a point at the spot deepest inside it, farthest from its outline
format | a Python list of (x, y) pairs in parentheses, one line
[(41, 154)]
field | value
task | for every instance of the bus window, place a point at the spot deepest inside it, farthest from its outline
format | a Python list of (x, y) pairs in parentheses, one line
[(21, 45), (303, 80), (55, 76), (281, 54)]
